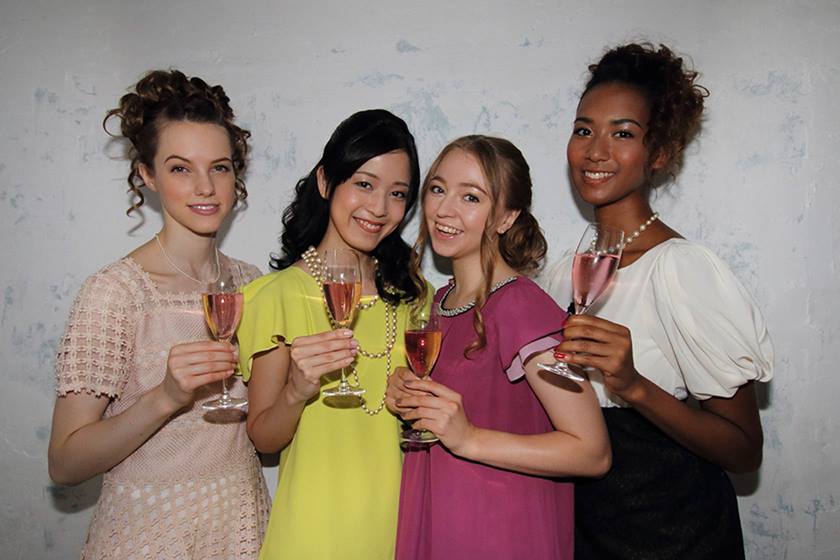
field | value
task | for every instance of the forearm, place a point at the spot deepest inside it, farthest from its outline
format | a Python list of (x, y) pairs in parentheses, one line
[(549, 454), (273, 428), (100, 445), (709, 435)]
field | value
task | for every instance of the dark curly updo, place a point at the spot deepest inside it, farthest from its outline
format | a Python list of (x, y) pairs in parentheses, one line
[(165, 96), (674, 100)]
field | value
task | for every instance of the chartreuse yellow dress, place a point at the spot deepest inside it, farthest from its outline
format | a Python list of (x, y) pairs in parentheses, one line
[(339, 478)]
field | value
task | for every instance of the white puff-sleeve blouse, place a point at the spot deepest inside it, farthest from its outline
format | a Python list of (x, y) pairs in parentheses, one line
[(695, 329)]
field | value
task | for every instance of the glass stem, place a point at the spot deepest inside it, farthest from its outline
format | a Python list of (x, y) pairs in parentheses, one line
[(343, 385)]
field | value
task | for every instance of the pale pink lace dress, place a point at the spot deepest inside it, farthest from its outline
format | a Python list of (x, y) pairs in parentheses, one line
[(195, 488)]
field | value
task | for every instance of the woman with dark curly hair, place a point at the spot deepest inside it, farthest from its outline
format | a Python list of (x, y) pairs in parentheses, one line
[(340, 464), (676, 326), (136, 363)]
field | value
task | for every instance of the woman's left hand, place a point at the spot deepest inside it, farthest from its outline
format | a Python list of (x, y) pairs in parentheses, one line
[(595, 342), (441, 411)]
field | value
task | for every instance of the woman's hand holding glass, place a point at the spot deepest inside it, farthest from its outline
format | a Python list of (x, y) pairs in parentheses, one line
[(193, 365), (590, 341), (312, 357), (440, 410)]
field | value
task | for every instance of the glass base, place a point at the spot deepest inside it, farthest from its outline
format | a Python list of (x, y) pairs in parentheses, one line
[(562, 369), (223, 403), (413, 436), (344, 389)]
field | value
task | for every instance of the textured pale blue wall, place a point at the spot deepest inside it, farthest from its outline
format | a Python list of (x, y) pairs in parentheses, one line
[(759, 186)]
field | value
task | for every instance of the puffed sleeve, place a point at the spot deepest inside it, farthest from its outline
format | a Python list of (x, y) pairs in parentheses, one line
[(277, 309), (526, 322), (716, 334), (97, 349)]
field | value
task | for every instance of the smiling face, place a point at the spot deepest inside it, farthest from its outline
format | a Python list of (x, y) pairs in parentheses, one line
[(457, 206), (608, 159), (368, 206), (193, 175)]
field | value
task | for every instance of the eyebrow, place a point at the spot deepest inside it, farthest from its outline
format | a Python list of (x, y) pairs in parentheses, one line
[(176, 156), (470, 185), (375, 176), (588, 120)]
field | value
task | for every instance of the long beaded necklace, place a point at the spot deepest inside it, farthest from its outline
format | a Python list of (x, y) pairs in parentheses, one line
[(176, 267), (316, 270)]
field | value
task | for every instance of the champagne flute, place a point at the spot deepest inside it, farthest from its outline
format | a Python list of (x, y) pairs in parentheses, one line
[(593, 269), (222, 311), (342, 283), (423, 339)]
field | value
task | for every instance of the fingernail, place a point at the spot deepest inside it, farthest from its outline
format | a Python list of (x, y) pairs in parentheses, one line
[(559, 356), (354, 343), (346, 332)]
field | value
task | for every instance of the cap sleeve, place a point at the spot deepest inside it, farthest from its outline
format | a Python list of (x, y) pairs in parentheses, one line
[(97, 349), (717, 335), (277, 309), (526, 322)]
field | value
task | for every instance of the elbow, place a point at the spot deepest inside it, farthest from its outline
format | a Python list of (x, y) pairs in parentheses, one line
[(749, 462), (601, 463), (264, 443), (59, 474)]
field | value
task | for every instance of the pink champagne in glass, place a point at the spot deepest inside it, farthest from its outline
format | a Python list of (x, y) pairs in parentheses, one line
[(342, 285), (422, 348), (222, 311), (423, 339), (342, 300), (591, 275), (593, 268)]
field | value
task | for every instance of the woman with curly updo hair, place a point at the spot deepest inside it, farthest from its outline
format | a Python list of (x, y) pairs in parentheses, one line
[(507, 431), (674, 348), (339, 478), (136, 362)]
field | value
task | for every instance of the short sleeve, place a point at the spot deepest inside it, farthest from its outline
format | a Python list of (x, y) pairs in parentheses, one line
[(526, 322), (277, 309), (716, 332), (97, 349)]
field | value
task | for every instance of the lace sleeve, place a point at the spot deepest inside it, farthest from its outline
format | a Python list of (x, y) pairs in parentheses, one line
[(95, 354)]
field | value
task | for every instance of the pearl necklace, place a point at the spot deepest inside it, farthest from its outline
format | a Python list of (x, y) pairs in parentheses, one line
[(175, 266), (632, 237), (467, 306), (316, 269)]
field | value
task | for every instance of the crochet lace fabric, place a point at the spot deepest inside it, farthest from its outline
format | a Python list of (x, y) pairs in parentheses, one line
[(195, 488)]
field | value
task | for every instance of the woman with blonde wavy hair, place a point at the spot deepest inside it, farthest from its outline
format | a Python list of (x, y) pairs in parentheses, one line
[(507, 430)]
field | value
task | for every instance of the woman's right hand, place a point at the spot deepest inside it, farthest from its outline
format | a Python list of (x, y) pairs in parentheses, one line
[(194, 364), (396, 390), (316, 355)]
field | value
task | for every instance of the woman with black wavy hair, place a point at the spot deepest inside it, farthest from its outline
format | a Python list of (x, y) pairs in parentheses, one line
[(340, 468)]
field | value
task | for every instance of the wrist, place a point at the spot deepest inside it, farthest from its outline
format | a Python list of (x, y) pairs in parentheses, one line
[(292, 397), (636, 393), (470, 446), (163, 403)]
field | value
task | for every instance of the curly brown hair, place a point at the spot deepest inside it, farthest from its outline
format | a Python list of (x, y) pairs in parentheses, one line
[(163, 96), (674, 100), (522, 246)]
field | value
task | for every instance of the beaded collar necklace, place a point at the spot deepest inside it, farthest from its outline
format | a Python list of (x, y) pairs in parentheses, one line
[(316, 270), (467, 306)]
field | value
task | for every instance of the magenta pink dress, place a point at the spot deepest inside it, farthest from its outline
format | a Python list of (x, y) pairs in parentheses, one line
[(452, 508)]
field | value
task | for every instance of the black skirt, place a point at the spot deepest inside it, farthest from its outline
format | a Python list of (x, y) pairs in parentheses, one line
[(659, 501)]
